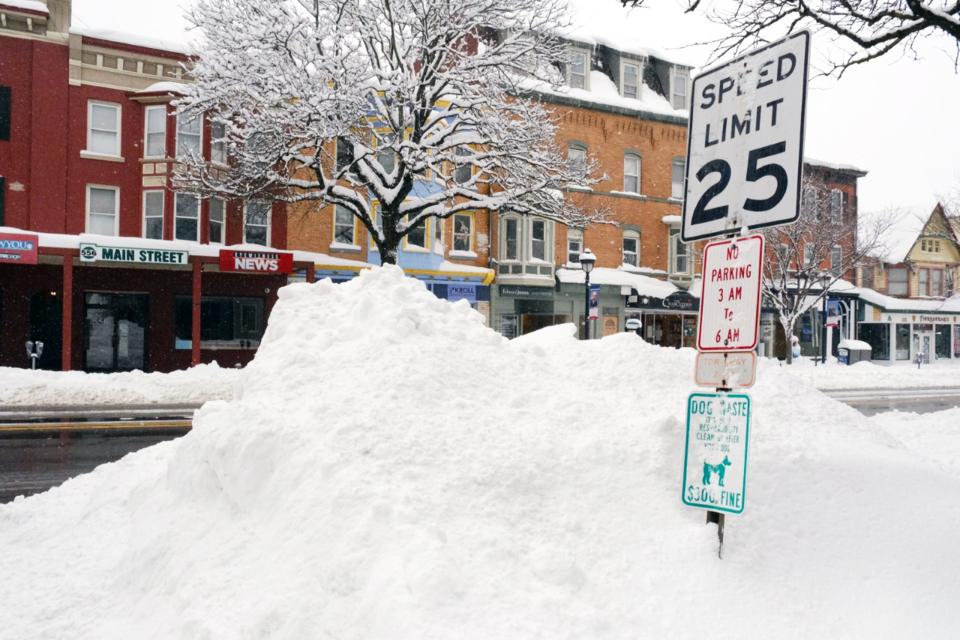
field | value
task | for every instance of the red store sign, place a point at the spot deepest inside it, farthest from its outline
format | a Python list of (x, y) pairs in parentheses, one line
[(18, 248), (256, 261)]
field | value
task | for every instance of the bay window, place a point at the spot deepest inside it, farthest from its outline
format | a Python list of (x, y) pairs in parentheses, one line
[(189, 134), (897, 281), (155, 142), (217, 220), (186, 222), (153, 214)]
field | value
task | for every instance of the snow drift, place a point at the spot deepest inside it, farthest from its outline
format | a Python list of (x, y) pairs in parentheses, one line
[(390, 468)]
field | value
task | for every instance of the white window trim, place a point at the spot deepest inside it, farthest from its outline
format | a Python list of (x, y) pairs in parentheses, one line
[(574, 234), (675, 76), (640, 68), (634, 235), (682, 163), (146, 130), (674, 239), (269, 222), (503, 240), (547, 240), (88, 152), (116, 206), (471, 245), (838, 216), (176, 137), (335, 244), (163, 203), (223, 223), (632, 154), (836, 269), (219, 163), (586, 67)]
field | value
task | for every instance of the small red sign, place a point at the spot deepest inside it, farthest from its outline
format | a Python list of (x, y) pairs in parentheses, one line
[(256, 261), (18, 248), (730, 299)]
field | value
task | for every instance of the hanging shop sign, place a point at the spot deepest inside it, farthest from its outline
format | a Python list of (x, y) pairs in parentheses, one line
[(745, 146), (730, 300), (715, 458), (18, 248), (679, 301), (256, 261), (90, 252), (594, 302), (727, 370)]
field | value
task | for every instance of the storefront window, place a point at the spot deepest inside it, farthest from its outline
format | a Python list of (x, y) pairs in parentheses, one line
[(878, 337), (903, 341), (508, 325), (943, 341), (225, 323)]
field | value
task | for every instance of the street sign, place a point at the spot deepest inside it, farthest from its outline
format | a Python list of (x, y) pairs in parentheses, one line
[(730, 298), (745, 141), (727, 370), (715, 457)]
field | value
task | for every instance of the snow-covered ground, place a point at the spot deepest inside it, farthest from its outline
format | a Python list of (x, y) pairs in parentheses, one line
[(391, 468), (867, 375), (23, 387)]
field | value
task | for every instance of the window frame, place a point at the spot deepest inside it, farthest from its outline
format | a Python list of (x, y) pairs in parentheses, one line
[(679, 78), (634, 236), (427, 236), (505, 240), (176, 143), (623, 77), (337, 244), (836, 205), (461, 152), (268, 225), (545, 240), (585, 54), (218, 150), (634, 155), (177, 217), (118, 110), (163, 198), (677, 190), (237, 305), (116, 207), (905, 282), (676, 241), (471, 244), (147, 133), (836, 269), (574, 235), (222, 222)]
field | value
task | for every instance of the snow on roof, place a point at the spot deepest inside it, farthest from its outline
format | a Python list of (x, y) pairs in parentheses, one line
[(166, 86), (643, 285), (603, 91), (833, 165), (169, 43), (889, 303), (27, 5), (671, 219), (900, 238)]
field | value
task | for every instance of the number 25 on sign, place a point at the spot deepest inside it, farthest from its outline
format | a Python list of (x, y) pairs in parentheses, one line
[(730, 298)]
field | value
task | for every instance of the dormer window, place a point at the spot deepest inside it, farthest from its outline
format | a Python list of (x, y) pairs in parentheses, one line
[(577, 69), (630, 80), (679, 78)]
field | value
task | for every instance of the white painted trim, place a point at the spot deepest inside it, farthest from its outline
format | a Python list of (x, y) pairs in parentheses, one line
[(146, 130), (118, 120), (143, 217), (116, 206), (176, 138), (269, 221)]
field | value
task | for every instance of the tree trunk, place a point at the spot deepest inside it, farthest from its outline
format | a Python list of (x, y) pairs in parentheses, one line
[(388, 255), (788, 325)]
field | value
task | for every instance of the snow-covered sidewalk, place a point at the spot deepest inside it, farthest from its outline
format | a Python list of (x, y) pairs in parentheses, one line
[(196, 385), (866, 375)]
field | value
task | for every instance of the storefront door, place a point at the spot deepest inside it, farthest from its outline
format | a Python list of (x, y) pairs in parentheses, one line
[(923, 342), (115, 331)]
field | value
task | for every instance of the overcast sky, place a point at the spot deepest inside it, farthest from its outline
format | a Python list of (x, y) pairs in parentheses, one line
[(896, 117)]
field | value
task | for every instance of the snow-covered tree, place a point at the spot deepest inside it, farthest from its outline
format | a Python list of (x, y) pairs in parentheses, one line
[(869, 28), (395, 110), (806, 258)]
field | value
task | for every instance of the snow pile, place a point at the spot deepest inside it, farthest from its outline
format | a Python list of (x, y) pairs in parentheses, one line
[(393, 469), (868, 375), (24, 387), (934, 436)]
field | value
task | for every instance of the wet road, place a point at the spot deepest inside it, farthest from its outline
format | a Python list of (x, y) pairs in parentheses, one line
[(33, 464)]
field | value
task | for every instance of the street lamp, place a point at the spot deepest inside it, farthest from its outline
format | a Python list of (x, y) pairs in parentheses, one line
[(587, 260)]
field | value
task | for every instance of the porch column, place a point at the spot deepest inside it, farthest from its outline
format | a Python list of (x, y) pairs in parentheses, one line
[(195, 324), (66, 315)]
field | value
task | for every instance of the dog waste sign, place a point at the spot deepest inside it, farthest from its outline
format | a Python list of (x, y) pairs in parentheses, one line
[(715, 459)]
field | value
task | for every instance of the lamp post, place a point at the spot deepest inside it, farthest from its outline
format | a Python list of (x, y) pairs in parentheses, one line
[(824, 282), (587, 260)]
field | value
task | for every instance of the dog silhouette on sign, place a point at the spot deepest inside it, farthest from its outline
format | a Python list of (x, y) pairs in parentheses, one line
[(719, 469)]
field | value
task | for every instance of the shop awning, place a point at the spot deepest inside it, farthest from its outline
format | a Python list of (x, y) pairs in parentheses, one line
[(638, 284)]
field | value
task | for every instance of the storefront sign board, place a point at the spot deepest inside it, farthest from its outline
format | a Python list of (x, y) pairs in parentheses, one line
[(715, 457), (730, 298), (138, 255), (745, 144), (18, 248), (256, 261), (728, 370)]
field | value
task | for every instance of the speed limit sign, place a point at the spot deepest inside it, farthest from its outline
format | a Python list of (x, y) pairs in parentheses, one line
[(745, 141)]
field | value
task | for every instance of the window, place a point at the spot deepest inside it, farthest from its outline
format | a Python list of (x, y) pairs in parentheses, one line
[(936, 282), (511, 239), (676, 187), (155, 144), (538, 239), (836, 205), (678, 89), (923, 278), (942, 340), (897, 282), (464, 170), (930, 245), (256, 223), (631, 248), (679, 253), (809, 204), (574, 246), (153, 214), (186, 217), (102, 203), (577, 154), (836, 260), (226, 323), (344, 153), (386, 156), (578, 69), (903, 342), (218, 142), (866, 277), (631, 173), (630, 79), (188, 135), (463, 232), (103, 128), (343, 226), (215, 228), (808, 260), (417, 237), (4, 113), (877, 335), (437, 224)]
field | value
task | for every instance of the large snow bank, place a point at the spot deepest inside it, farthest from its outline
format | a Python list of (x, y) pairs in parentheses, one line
[(869, 375), (24, 387), (392, 469)]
